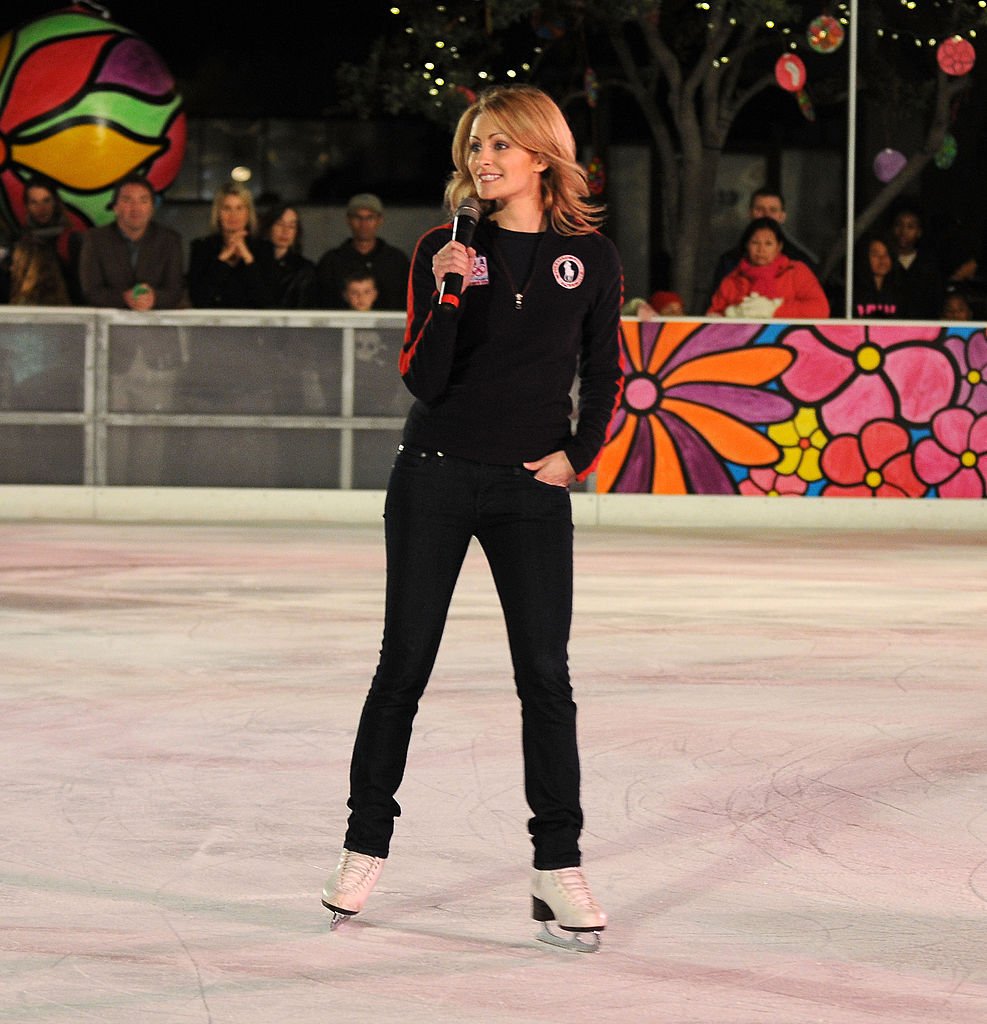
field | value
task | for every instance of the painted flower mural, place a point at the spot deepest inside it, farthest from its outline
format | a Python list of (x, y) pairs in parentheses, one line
[(769, 483), (836, 410), (693, 400), (84, 101), (954, 458), (877, 463), (855, 373), (970, 355), (801, 441)]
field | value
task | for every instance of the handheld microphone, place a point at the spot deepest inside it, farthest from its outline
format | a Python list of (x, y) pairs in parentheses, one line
[(463, 226)]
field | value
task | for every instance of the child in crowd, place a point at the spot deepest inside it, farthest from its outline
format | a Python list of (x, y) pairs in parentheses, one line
[(360, 290)]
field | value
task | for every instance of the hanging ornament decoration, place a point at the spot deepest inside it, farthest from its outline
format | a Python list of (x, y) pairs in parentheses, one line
[(956, 56), (825, 34), (84, 101), (790, 72), (596, 175), (888, 164), (806, 108), (591, 84), (946, 154)]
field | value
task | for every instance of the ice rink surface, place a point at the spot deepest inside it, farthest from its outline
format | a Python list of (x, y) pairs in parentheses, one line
[(784, 742)]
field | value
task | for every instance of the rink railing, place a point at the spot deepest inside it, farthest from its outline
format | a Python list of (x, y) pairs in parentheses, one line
[(238, 398), (311, 401)]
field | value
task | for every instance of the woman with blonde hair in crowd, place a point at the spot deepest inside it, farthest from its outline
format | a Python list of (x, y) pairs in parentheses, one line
[(488, 452), (231, 267)]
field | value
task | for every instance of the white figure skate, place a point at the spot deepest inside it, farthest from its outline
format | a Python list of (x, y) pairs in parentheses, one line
[(563, 896), (349, 885)]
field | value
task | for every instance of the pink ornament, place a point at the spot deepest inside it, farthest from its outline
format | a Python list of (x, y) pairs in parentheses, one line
[(888, 164), (956, 56), (790, 72)]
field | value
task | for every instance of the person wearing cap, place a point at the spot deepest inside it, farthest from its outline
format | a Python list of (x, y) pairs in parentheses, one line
[(364, 250)]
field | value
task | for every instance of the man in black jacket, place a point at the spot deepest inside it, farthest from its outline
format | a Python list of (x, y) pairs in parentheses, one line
[(132, 263), (363, 250), (136, 264)]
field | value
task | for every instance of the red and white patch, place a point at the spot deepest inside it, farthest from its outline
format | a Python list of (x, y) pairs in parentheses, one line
[(569, 271), (481, 272)]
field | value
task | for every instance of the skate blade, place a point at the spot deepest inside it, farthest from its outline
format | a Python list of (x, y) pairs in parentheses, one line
[(338, 917), (575, 942)]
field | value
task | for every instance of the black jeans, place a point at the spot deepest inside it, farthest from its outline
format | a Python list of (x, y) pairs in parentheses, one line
[(435, 505)]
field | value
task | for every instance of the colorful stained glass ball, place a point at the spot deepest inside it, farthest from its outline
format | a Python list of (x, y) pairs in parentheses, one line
[(84, 102), (596, 176), (825, 34), (946, 153)]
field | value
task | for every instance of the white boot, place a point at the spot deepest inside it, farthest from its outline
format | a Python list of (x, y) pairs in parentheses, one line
[(350, 884), (563, 896)]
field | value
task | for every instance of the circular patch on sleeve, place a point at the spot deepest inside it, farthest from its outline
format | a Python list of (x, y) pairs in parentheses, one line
[(569, 271)]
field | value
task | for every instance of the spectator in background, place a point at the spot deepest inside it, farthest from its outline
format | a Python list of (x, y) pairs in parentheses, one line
[(923, 287), (36, 277), (877, 290), (364, 250), (136, 264), (133, 263), (360, 290), (956, 305), (766, 201), (660, 305), (667, 304), (46, 220), (767, 283), (293, 275), (231, 267)]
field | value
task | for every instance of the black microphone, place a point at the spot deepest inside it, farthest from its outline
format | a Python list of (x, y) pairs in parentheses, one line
[(463, 226)]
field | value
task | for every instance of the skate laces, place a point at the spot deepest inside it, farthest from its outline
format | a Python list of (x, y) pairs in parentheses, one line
[(573, 883), (355, 870)]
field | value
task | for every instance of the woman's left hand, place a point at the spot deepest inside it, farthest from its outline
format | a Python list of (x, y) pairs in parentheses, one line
[(555, 469)]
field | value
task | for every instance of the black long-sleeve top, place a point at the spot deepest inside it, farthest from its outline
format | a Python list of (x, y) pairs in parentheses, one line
[(493, 381), (214, 284)]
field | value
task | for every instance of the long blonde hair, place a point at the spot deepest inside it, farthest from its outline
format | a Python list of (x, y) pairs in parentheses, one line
[(533, 120)]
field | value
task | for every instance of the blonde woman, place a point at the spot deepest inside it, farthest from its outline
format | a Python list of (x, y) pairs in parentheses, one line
[(231, 268), (489, 452)]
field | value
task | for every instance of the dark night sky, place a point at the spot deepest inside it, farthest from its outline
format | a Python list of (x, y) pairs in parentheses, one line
[(249, 59)]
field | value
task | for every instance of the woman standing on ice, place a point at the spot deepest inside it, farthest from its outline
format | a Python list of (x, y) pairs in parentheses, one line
[(489, 451)]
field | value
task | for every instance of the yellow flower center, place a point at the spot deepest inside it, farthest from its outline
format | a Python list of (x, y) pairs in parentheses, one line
[(968, 459), (873, 479), (974, 377), (869, 358), (773, 493)]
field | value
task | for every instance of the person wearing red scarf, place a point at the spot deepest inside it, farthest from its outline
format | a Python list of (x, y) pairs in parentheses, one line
[(766, 283)]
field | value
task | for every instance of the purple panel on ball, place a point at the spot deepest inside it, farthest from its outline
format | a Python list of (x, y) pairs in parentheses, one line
[(133, 64)]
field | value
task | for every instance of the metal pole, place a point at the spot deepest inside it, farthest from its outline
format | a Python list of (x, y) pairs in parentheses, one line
[(851, 158)]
